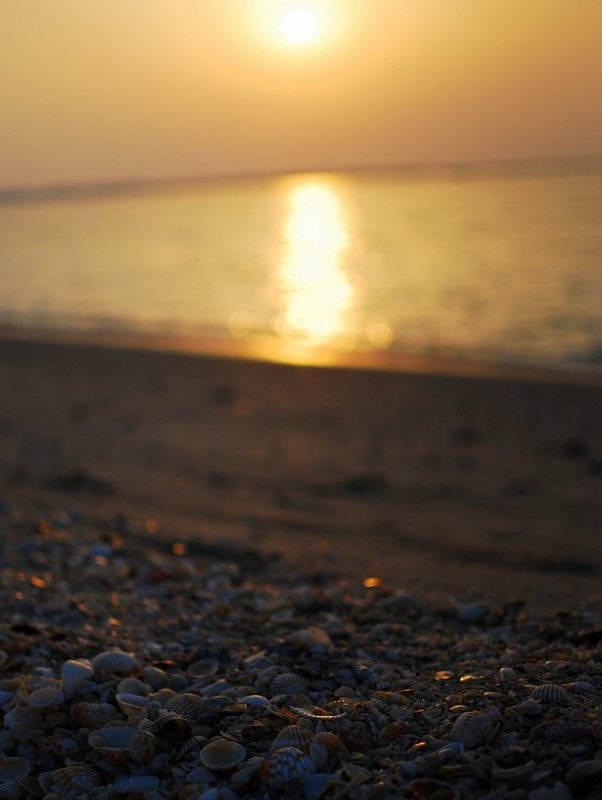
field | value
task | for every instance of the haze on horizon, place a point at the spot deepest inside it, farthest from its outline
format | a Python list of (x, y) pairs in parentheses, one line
[(130, 90)]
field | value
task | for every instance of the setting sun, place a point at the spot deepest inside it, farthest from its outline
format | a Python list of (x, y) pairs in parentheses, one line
[(298, 24)]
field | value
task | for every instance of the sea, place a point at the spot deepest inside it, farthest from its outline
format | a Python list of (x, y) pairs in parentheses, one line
[(496, 262)]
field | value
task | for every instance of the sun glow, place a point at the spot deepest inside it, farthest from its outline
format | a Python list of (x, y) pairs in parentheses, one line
[(299, 24)]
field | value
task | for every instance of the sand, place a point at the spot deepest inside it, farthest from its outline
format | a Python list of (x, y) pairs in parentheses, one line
[(479, 486)]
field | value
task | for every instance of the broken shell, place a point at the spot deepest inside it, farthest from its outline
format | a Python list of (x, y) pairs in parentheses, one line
[(551, 693), (287, 764), (74, 673), (472, 728), (72, 781), (222, 755), (92, 715), (114, 662), (293, 736)]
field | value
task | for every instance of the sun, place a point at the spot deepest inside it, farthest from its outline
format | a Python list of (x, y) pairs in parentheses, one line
[(299, 24)]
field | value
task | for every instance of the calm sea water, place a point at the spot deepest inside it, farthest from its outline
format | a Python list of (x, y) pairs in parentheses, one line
[(503, 264)]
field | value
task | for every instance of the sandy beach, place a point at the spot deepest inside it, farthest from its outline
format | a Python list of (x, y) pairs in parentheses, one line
[(340, 582)]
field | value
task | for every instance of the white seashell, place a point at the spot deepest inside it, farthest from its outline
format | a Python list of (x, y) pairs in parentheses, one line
[(288, 764), (136, 784), (131, 704), (222, 755), (74, 674), (45, 698), (131, 685), (472, 728), (114, 662)]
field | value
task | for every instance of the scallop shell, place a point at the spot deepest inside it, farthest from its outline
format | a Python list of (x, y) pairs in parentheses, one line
[(45, 698), (92, 715), (131, 704), (143, 745), (287, 683), (186, 705), (246, 771), (472, 728), (136, 784), (221, 755), (172, 729), (114, 662), (287, 764), (13, 767), (72, 781), (293, 736), (74, 673), (551, 693)]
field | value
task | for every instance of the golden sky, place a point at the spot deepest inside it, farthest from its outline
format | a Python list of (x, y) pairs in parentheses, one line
[(96, 90)]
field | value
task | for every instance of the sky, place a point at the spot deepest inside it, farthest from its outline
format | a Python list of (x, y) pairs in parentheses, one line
[(95, 90)]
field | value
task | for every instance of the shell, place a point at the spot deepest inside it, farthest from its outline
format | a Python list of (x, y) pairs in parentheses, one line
[(222, 755), (131, 685), (74, 673), (204, 668), (256, 700), (287, 764), (13, 767), (92, 715), (246, 771), (25, 723), (293, 736), (138, 784), (45, 698), (287, 683), (551, 693), (472, 728), (186, 704), (72, 781), (114, 662), (143, 746), (172, 729), (131, 703), (113, 742), (10, 790)]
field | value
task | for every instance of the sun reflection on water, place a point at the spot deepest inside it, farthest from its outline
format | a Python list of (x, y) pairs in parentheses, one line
[(317, 295)]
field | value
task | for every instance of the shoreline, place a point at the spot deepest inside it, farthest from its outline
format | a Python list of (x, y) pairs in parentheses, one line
[(461, 486)]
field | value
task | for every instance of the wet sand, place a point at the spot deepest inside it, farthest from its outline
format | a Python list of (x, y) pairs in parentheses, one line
[(476, 486)]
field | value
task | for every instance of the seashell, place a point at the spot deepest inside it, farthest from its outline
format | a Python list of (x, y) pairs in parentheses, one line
[(74, 674), (191, 791), (72, 781), (113, 743), (114, 662), (3, 658), (92, 715), (12, 768), (287, 764), (507, 675), (46, 698), (5, 697), (472, 728), (287, 683), (189, 751), (317, 713), (136, 784), (319, 755), (293, 736), (551, 693), (221, 755), (584, 775), (204, 668), (330, 741), (131, 704), (25, 723), (131, 685), (162, 696), (155, 677), (393, 731), (172, 729), (256, 700), (197, 709), (246, 771), (143, 745), (10, 790)]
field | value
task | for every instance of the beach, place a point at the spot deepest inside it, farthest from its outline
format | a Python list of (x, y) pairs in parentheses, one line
[(404, 547)]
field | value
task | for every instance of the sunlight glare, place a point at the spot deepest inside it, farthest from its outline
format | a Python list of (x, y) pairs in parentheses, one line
[(298, 24)]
